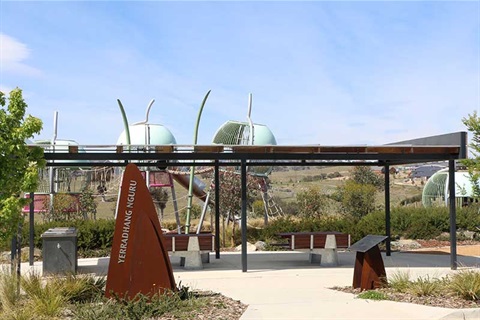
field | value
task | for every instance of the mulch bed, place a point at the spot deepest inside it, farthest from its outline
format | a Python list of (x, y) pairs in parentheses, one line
[(444, 301)]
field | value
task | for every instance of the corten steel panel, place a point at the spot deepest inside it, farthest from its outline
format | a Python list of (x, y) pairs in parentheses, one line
[(139, 261), (369, 271)]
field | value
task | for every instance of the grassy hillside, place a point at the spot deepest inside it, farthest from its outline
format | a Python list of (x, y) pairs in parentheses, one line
[(285, 185)]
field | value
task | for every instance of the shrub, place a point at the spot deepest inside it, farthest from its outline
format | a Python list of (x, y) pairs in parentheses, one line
[(466, 283), (258, 209), (424, 286), (468, 218), (47, 300), (356, 199), (194, 213), (399, 281), (311, 203)]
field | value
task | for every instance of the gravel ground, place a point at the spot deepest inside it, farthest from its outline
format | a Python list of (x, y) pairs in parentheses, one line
[(444, 301), (219, 307)]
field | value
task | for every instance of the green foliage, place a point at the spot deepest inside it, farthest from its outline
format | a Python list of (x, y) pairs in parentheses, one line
[(290, 224), (311, 203), (258, 209), (356, 199), (68, 206), (373, 223), (364, 175), (230, 185), (426, 286), (88, 206), (47, 300), (160, 198), (289, 208), (412, 199), (472, 122), (466, 283), (195, 212), (19, 164), (91, 234), (372, 295), (177, 304), (399, 281), (8, 290), (468, 217)]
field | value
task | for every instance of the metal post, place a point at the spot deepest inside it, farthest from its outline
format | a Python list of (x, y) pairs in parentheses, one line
[(217, 210), (175, 207), (204, 211), (32, 227), (244, 214), (192, 168), (13, 253), (453, 215), (387, 210)]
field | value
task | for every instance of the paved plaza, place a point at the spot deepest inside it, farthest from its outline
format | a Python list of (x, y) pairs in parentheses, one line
[(284, 285)]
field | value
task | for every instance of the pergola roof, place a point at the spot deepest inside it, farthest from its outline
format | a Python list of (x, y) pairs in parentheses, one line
[(447, 147), (228, 155)]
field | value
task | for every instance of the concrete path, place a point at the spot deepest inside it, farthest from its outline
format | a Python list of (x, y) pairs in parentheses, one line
[(284, 285)]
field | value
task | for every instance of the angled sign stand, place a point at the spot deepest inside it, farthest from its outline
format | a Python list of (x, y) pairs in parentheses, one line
[(369, 269), (139, 261)]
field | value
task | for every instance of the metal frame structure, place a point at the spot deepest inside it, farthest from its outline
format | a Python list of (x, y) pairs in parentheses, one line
[(245, 155)]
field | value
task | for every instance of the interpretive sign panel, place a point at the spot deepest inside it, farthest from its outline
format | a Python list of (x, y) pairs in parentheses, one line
[(139, 261), (366, 243)]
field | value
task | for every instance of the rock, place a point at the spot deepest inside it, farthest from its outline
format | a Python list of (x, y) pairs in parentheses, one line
[(469, 235), (444, 235), (250, 247), (5, 256), (260, 245), (37, 253), (404, 244)]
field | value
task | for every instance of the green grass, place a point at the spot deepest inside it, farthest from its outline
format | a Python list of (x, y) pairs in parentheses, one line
[(426, 286), (82, 297), (399, 281), (466, 283), (372, 295)]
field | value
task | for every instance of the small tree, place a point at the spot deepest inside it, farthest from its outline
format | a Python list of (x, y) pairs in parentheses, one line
[(365, 175), (230, 198), (18, 163), (160, 199), (472, 122), (311, 203), (88, 206), (356, 199)]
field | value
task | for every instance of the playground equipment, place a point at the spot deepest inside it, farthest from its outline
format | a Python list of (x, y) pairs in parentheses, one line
[(57, 179), (139, 137), (250, 133), (435, 191)]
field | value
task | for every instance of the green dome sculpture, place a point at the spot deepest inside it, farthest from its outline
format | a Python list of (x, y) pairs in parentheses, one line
[(147, 134), (435, 191), (238, 133)]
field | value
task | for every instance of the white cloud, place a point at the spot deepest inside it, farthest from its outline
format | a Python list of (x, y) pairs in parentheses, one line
[(13, 54)]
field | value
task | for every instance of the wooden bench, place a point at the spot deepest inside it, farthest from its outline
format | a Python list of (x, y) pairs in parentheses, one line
[(317, 244), (192, 255)]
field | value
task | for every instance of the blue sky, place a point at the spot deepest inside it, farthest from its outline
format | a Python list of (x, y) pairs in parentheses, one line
[(331, 73)]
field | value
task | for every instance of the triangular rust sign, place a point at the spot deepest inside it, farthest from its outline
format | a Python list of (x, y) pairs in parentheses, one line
[(139, 261)]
